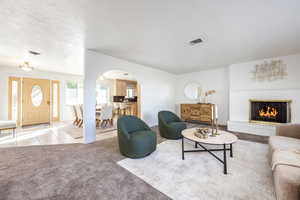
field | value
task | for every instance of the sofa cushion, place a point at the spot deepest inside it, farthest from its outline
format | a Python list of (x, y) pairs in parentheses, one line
[(287, 182), (6, 124), (281, 157), (283, 143)]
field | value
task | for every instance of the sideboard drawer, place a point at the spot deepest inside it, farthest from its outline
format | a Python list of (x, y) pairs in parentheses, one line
[(197, 112), (205, 119), (185, 112)]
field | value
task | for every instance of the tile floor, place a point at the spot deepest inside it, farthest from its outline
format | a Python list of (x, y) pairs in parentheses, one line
[(56, 133)]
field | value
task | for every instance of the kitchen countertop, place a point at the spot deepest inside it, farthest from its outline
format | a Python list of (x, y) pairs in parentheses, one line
[(126, 102)]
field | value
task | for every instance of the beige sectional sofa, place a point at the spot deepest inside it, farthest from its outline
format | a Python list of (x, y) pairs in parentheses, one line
[(285, 161)]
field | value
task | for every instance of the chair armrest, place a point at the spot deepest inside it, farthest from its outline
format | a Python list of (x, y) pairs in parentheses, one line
[(289, 130), (145, 127), (178, 119), (148, 128)]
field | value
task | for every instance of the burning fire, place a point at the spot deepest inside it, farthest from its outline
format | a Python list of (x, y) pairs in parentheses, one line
[(270, 113)]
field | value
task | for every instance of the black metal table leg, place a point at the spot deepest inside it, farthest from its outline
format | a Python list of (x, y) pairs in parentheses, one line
[(210, 151), (225, 161), (182, 148)]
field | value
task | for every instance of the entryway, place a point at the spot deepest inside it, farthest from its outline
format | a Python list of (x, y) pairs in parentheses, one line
[(33, 101)]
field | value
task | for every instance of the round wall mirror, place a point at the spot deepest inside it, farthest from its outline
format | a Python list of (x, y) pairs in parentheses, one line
[(36, 95), (193, 91)]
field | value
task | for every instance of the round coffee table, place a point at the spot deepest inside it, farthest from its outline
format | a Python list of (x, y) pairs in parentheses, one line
[(223, 139)]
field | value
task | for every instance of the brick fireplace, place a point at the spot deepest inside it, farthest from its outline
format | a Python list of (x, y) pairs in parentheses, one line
[(270, 111)]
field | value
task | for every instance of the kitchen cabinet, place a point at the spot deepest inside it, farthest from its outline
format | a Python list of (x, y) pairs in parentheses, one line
[(120, 87), (131, 108)]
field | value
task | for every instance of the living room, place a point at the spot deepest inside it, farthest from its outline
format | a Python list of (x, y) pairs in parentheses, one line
[(215, 85)]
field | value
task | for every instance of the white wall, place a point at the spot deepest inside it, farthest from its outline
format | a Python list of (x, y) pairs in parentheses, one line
[(216, 79), (243, 87), (157, 88), (6, 72), (108, 83)]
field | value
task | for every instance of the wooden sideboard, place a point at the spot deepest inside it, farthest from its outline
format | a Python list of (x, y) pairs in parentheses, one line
[(201, 112)]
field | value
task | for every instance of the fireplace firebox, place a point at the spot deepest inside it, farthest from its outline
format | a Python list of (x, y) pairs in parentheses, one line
[(270, 111)]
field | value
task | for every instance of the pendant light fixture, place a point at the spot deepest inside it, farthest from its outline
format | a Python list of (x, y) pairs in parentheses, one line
[(26, 67)]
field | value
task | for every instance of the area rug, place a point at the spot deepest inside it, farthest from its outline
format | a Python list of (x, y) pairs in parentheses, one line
[(200, 176), (77, 133)]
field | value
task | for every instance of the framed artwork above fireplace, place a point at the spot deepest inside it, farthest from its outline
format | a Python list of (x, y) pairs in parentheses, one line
[(270, 111)]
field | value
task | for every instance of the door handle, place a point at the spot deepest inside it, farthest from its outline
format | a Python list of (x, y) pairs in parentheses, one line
[(48, 102)]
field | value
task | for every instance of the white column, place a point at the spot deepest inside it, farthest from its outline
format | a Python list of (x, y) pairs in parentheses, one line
[(89, 103)]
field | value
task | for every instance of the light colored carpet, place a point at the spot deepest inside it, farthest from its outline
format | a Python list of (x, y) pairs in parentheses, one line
[(200, 176)]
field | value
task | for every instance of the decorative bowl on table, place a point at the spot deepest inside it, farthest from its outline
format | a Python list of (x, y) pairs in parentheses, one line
[(202, 133)]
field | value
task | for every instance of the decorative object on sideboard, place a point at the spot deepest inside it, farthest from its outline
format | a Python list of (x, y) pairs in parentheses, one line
[(270, 71), (199, 94), (207, 94)]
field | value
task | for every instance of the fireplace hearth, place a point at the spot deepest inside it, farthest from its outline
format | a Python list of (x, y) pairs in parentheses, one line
[(270, 111)]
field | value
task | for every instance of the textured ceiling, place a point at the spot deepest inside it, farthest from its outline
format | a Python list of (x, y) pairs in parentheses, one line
[(154, 33), (54, 28), (118, 74)]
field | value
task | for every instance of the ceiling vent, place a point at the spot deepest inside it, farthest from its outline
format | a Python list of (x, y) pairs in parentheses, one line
[(34, 53), (196, 41)]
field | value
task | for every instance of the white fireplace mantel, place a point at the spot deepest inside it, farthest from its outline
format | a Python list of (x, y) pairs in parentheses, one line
[(252, 128)]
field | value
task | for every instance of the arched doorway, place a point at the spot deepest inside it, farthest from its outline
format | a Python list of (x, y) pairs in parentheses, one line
[(117, 90)]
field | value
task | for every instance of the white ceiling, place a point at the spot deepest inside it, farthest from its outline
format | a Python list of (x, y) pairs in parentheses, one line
[(118, 74), (154, 33)]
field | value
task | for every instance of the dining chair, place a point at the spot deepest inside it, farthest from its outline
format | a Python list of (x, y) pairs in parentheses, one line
[(106, 115), (116, 107), (123, 109), (79, 111), (75, 115), (98, 119)]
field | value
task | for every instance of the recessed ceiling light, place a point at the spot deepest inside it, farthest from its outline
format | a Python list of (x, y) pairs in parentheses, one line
[(196, 41), (34, 53)]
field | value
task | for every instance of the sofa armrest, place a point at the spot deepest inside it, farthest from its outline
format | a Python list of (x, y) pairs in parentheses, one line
[(289, 130)]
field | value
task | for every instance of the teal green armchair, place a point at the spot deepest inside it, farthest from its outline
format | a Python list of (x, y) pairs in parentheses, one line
[(170, 125), (136, 139)]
